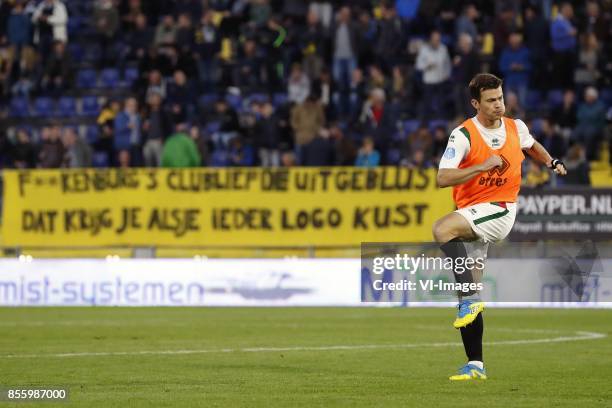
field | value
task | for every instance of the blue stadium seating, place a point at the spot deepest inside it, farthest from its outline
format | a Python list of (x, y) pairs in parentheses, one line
[(393, 156), (92, 133), (411, 125), (43, 107), (19, 107), (86, 78), (66, 106), (100, 159), (534, 101), (90, 106), (433, 124), (280, 99), (235, 101), (130, 75), (555, 98), (109, 78)]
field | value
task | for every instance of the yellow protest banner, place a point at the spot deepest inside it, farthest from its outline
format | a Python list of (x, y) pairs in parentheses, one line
[(220, 207)]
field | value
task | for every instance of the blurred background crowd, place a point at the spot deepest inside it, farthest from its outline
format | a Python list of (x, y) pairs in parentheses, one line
[(281, 83)]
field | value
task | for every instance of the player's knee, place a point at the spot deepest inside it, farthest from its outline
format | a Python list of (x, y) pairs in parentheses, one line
[(442, 232)]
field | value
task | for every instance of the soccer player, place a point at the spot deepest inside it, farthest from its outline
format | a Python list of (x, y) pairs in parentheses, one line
[(482, 162)]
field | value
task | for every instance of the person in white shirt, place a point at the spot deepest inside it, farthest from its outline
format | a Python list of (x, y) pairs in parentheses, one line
[(434, 62)]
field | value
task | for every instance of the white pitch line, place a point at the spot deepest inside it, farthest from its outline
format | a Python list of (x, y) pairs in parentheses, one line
[(579, 335)]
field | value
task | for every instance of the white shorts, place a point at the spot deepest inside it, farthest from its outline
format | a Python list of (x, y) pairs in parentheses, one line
[(491, 222)]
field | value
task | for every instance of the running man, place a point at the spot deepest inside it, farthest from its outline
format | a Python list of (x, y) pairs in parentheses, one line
[(482, 162)]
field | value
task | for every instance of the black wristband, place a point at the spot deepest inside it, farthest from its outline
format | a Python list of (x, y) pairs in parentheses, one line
[(554, 163)]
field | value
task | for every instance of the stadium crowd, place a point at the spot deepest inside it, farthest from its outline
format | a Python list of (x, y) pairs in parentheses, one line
[(282, 83)]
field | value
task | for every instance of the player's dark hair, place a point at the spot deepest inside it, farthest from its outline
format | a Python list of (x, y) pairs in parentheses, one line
[(482, 82)]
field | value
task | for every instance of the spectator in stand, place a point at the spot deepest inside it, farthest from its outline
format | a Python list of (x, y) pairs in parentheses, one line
[(505, 23), (267, 137), (390, 40), (106, 22), (127, 135), (156, 126), (551, 139), (19, 35), (207, 45), (123, 159), (140, 38), (377, 119), (50, 20), (51, 155), (184, 33), (345, 48), (247, 71), (420, 139), (313, 45), (596, 23), (345, 149), (203, 145), (466, 64), (577, 167), (240, 153), (466, 23), (57, 76), (563, 42), (565, 114), (23, 153), (288, 159), (307, 119), (440, 139), (434, 63), (78, 152), (536, 175), (513, 106), (229, 125), (367, 156), (515, 65), (591, 122), (180, 151), (181, 98), (537, 39), (587, 72), (165, 33), (130, 15), (155, 84), (418, 160), (320, 151), (298, 88)]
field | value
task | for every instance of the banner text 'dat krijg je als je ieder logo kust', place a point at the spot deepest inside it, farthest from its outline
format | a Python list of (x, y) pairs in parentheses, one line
[(232, 206)]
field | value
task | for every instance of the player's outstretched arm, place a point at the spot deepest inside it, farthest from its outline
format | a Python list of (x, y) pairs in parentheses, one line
[(539, 154), (452, 177)]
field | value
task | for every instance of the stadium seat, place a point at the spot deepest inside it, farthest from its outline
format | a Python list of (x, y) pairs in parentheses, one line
[(90, 106), (100, 159), (393, 156), (606, 96), (219, 158), (258, 97), (433, 124), (235, 101), (92, 133), (411, 125), (534, 101), (212, 127), (280, 99), (109, 78), (76, 51), (130, 75), (43, 107), (92, 53), (207, 100), (66, 106), (555, 98), (86, 78), (19, 107)]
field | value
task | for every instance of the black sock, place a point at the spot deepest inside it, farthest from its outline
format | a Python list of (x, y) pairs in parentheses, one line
[(472, 339), (455, 248)]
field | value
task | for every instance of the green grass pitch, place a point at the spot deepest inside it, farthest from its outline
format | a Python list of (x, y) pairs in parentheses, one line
[(305, 357)]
